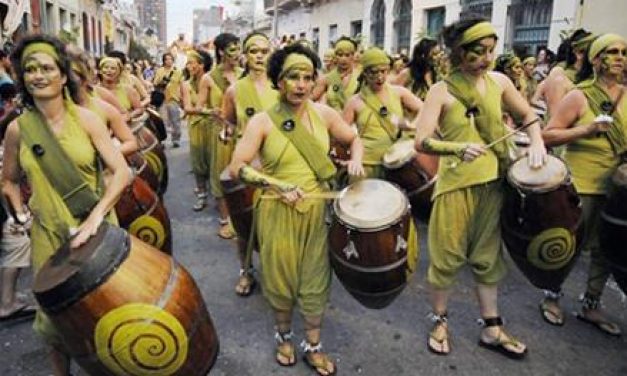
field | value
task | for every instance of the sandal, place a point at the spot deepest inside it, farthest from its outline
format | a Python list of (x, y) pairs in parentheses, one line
[(550, 309), (439, 337), (226, 230), (317, 360), (592, 303), (200, 204), (285, 348), (503, 342), (244, 289)]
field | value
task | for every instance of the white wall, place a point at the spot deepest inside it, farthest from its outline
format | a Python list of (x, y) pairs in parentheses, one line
[(294, 22), (336, 12), (604, 16), (563, 18), (419, 21)]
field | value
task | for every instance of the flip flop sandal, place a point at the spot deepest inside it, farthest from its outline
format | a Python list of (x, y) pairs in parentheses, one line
[(550, 316), (499, 344), (439, 320), (246, 290), (289, 353), (604, 326)]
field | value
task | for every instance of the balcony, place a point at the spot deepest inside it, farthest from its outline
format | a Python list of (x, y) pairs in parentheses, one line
[(287, 5)]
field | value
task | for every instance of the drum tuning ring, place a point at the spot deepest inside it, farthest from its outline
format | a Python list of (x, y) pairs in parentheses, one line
[(401, 244), (350, 250)]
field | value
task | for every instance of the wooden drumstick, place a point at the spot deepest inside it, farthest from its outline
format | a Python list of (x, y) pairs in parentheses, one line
[(332, 195)]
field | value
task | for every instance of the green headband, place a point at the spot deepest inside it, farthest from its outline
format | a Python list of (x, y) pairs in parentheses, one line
[(80, 69), (295, 61), (39, 47), (344, 46), (584, 42), (529, 59), (374, 56), (477, 32), (194, 55), (509, 60), (106, 60), (603, 42), (255, 38)]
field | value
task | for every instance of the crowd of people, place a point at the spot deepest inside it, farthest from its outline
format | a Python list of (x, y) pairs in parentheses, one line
[(269, 118)]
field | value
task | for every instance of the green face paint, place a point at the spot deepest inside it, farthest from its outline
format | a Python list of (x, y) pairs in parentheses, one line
[(232, 51), (297, 84)]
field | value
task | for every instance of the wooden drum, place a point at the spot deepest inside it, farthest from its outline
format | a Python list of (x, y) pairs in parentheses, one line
[(124, 309), (142, 169), (140, 211), (541, 221), (239, 201), (368, 241), (415, 172), (613, 230)]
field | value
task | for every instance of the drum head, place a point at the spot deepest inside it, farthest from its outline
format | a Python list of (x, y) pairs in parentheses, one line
[(620, 176), (399, 153), (71, 274), (370, 205), (546, 178)]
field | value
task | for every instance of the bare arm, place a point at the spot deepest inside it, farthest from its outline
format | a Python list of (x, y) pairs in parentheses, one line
[(350, 110), (109, 97), (11, 170), (341, 131), (204, 91), (560, 129), (320, 88), (120, 129), (141, 90), (136, 106), (250, 143), (228, 105), (186, 99), (427, 120), (402, 78), (409, 100)]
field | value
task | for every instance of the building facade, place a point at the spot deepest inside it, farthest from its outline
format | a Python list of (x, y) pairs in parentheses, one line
[(153, 17), (207, 24)]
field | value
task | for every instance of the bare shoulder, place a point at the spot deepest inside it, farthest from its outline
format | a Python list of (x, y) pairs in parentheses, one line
[(13, 131), (324, 109), (260, 122), (88, 119), (500, 78), (576, 97)]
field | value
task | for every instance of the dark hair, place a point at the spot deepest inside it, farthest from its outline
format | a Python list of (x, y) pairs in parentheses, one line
[(452, 33), (8, 91), (587, 70), (344, 37), (221, 42), (118, 55), (63, 64), (276, 60), (166, 55), (207, 61), (421, 63)]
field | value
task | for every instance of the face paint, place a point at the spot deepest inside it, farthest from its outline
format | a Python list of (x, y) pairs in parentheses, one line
[(296, 85), (42, 76), (478, 56), (232, 51), (344, 59), (613, 59), (257, 55), (376, 76)]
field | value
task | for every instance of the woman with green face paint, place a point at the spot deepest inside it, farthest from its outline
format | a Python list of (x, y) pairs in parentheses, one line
[(341, 83), (424, 69), (464, 226), (251, 94), (77, 136), (292, 140), (111, 72), (531, 84), (592, 122), (378, 110)]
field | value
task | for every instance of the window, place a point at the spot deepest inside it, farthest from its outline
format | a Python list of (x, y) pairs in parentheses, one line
[(303, 35), (402, 24), (435, 21), (355, 28), (86, 40), (377, 27), (476, 8), (63, 21), (332, 34), (315, 39)]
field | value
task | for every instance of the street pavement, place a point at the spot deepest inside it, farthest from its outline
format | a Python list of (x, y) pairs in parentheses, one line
[(390, 341)]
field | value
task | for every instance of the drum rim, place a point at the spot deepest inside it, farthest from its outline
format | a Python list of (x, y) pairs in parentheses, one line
[(513, 183), (619, 168), (401, 162), (360, 227), (73, 288)]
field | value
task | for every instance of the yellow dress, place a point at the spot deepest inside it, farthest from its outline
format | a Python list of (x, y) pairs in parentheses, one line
[(199, 137), (293, 239), (249, 101)]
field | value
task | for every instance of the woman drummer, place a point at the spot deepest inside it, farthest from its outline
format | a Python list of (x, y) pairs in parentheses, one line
[(378, 110), (89, 98), (110, 72), (292, 139), (198, 124), (591, 121), (251, 94), (44, 73), (423, 70), (464, 225)]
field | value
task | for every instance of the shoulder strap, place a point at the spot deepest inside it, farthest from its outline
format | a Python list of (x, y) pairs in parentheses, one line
[(381, 112), (306, 144), (59, 169)]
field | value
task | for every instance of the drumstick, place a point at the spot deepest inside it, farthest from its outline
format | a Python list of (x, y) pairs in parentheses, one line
[(319, 195), (500, 139)]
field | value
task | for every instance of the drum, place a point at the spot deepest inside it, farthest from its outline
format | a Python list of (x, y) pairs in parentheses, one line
[(155, 124), (139, 164), (239, 201), (521, 142), (368, 241), (415, 172), (158, 163), (338, 153), (140, 211), (613, 229), (541, 221), (123, 308)]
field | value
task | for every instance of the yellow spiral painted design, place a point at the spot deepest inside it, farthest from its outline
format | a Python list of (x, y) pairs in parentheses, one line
[(141, 339), (155, 164), (552, 249), (149, 230)]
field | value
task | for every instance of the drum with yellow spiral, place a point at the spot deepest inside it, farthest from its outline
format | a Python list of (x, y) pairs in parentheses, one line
[(140, 211), (541, 221), (123, 308)]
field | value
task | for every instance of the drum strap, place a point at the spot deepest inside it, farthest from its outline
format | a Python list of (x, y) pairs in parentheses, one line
[(60, 170), (306, 144), (381, 111)]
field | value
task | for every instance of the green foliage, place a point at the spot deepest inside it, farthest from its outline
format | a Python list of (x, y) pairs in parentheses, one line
[(137, 51)]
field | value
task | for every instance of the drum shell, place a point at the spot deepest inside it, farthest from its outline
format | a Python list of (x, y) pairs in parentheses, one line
[(144, 276), (377, 249), (161, 172), (526, 215), (613, 234), (416, 178), (139, 164), (138, 200), (239, 199), (338, 152)]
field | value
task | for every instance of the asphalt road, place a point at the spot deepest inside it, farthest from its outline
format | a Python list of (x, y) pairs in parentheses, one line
[(391, 341)]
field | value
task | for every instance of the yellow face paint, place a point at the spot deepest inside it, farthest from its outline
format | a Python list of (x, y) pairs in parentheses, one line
[(232, 51), (257, 54), (297, 84), (42, 76), (141, 339)]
